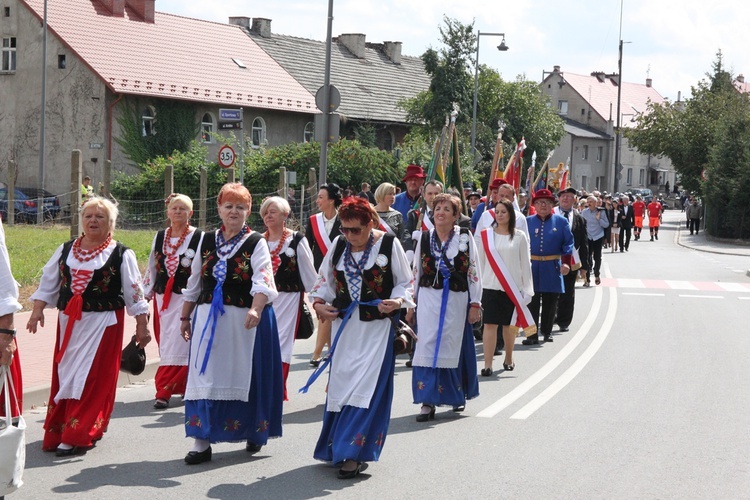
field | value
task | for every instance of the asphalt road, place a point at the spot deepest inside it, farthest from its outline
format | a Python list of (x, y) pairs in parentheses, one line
[(645, 397)]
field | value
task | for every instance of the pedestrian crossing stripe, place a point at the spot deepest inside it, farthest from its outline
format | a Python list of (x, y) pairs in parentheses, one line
[(703, 286)]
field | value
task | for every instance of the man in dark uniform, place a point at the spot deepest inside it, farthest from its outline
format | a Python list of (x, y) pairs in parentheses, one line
[(626, 218), (567, 300), (551, 258)]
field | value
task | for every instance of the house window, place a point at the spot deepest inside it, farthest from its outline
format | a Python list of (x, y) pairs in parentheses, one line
[(600, 183), (147, 121), (562, 106), (584, 182), (388, 141), (630, 177), (9, 54), (259, 132), (309, 133), (585, 153), (61, 61), (599, 153), (641, 177), (207, 129), (583, 111), (6, 11)]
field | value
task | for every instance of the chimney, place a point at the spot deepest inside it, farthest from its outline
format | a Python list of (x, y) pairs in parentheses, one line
[(144, 8), (354, 43), (116, 7), (262, 27), (741, 78), (393, 51), (556, 68), (243, 22), (648, 82)]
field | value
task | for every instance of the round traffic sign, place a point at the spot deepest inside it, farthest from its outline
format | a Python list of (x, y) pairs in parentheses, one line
[(226, 156), (334, 100)]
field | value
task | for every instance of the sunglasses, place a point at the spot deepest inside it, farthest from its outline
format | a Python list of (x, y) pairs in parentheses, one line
[(351, 230)]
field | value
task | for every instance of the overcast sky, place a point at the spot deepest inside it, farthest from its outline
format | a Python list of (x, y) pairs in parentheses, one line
[(672, 41)]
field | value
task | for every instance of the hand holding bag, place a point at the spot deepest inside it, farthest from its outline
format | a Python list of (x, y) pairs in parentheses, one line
[(12, 440), (133, 358)]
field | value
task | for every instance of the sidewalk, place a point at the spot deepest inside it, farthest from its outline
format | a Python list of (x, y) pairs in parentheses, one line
[(701, 242), (36, 350)]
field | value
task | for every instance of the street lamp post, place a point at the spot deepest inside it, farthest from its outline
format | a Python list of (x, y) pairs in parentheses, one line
[(502, 48)]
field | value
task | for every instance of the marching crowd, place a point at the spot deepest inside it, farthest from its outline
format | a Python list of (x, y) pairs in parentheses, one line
[(227, 305)]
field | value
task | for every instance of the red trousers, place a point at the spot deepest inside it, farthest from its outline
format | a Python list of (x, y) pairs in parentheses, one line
[(170, 380)]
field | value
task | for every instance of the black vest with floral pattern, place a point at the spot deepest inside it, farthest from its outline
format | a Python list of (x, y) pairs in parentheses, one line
[(182, 273), (238, 282), (379, 278), (287, 276), (459, 280), (104, 291)]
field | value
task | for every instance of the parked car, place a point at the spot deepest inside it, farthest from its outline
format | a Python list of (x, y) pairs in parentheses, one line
[(644, 193), (26, 204)]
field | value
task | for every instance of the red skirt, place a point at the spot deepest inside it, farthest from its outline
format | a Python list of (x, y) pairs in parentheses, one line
[(170, 380), (81, 422), (15, 374)]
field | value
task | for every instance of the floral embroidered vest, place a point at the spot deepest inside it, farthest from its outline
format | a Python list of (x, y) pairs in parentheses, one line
[(379, 278), (104, 291), (183, 269), (459, 281), (287, 276), (239, 272)]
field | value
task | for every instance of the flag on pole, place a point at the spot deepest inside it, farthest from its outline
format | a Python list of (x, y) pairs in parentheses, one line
[(564, 176), (530, 172)]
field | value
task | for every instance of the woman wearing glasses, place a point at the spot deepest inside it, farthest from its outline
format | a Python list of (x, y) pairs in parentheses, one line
[(365, 278)]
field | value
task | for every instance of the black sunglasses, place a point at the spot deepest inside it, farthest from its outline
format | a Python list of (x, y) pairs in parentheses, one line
[(351, 230)]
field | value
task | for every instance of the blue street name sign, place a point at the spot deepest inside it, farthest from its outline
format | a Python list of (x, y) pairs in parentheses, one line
[(230, 115)]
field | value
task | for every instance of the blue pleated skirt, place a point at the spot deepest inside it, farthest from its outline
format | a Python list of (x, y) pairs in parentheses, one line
[(449, 386), (260, 417), (359, 433)]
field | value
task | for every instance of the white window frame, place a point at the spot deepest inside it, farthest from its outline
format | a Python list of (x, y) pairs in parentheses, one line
[(208, 128), (642, 177), (585, 153), (562, 107), (308, 134), (630, 177), (8, 60), (148, 119), (258, 132), (599, 154)]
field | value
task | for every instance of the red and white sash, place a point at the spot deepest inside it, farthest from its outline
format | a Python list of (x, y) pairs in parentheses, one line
[(577, 264), (385, 227), (319, 232), (426, 222), (522, 317)]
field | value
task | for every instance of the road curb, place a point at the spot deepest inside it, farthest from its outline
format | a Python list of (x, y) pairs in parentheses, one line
[(38, 396), (705, 250)]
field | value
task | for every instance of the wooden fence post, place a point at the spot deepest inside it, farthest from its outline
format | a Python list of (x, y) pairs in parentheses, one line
[(312, 191), (282, 183), (202, 201), (11, 186), (168, 184), (76, 178), (230, 174)]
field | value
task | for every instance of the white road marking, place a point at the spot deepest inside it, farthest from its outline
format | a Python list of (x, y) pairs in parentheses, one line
[(553, 363), (702, 296), (630, 283), (575, 368), (732, 287), (644, 294), (744, 298), (680, 285)]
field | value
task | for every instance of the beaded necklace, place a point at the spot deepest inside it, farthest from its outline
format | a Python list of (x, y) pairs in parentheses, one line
[(354, 269), (82, 255), (223, 247), (167, 246), (275, 259)]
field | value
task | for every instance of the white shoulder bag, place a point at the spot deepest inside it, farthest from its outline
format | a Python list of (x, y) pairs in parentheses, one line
[(12, 440)]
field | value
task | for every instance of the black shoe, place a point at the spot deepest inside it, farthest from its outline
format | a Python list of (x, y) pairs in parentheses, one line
[(548, 338), (198, 457), (424, 417), (160, 404), (315, 362), (622, 251), (498, 351), (532, 340), (486, 372), (652, 239), (72, 452), (252, 447), (459, 408), (566, 327), (510, 367), (351, 474), (408, 363), (656, 236)]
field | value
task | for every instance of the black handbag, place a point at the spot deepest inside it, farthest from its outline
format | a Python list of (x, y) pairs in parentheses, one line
[(306, 325), (133, 358)]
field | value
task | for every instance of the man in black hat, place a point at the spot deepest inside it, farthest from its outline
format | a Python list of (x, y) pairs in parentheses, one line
[(473, 200), (566, 302)]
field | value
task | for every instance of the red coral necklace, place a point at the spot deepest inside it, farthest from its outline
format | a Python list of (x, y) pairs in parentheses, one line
[(275, 259), (168, 246), (82, 255)]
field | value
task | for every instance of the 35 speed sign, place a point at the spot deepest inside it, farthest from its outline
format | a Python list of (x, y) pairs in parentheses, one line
[(226, 156)]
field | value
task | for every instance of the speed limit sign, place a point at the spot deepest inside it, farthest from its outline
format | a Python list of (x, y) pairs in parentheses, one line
[(226, 156)]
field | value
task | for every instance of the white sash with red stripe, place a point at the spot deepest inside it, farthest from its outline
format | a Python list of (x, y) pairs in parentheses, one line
[(385, 227), (426, 222), (522, 317), (319, 232)]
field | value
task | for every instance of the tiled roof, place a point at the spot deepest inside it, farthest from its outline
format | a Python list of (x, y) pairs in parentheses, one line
[(370, 87), (742, 86), (580, 130), (601, 94), (174, 57)]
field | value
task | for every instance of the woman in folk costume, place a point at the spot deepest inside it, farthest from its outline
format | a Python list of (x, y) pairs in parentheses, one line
[(90, 280), (391, 221), (169, 264), (235, 387), (293, 272), (367, 280), (448, 293), (507, 283), (322, 228), (9, 305)]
